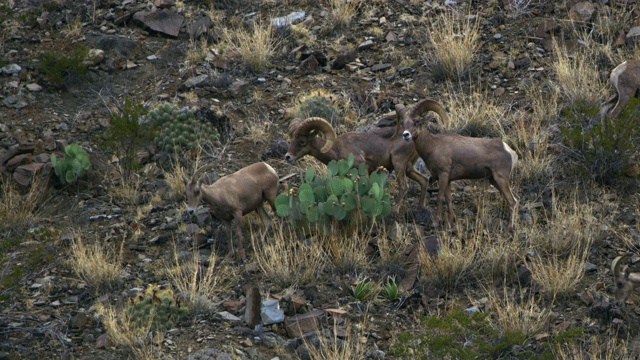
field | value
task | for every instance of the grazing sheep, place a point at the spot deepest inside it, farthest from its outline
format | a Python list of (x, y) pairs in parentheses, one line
[(625, 280), (235, 195), (452, 157), (625, 78)]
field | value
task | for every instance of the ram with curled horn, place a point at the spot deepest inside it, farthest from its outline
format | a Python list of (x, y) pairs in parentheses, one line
[(379, 147), (235, 195), (452, 157), (625, 280)]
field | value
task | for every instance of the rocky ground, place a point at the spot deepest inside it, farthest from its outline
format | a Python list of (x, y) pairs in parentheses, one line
[(143, 50)]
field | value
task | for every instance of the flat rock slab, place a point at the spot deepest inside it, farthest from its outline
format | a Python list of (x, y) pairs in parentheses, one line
[(162, 21)]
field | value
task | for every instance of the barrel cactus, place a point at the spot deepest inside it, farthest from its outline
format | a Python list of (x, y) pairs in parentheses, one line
[(180, 129), (157, 306), (316, 105)]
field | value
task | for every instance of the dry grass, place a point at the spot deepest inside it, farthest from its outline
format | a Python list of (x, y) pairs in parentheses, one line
[(596, 348), (519, 313), (577, 76), (342, 12), (453, 264), (558, 277), (124, 331), (97, 265), (254, 46), (17, 210), (126, 189), (196, 282), (455, 39), (392, 245), (474, 112), (347, 249), (518, 8), (175, 179), (327, 345), (286, 260)]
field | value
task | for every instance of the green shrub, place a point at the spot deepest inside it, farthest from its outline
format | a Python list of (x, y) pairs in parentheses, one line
[(601, 148), (127, 133), (59, 68), (316, 106), (159, 307), (344, 195), (74, 165), (390, 290), (180, 130)]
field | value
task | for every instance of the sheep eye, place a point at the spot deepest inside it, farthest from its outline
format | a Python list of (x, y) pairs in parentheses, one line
[(620, 284), (302, 143)]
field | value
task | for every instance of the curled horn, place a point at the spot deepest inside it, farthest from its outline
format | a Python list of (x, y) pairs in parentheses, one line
[(199, 172), (426, 105), (293, 126), (615, 265), (401, 110), (321, 125)]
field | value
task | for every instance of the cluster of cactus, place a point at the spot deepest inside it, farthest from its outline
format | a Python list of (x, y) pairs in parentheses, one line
[(316, 106), (180, 130), (340, 196), (74, 165), (160, 308)]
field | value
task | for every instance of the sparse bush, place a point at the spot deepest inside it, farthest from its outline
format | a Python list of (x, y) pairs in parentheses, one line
[(127, 133), (73, 166), (180, 130), (578, 75), (452, 264), (342, 12), (344, 196), (61, 69), (601, 149), (255, 47)]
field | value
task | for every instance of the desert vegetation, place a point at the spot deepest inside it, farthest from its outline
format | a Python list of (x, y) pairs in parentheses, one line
[(107, 250)]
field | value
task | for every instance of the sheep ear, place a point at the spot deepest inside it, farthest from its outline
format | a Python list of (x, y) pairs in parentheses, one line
[(185, 179), (201, 179)]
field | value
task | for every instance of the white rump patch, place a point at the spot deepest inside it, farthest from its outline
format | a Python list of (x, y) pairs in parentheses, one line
[(615, 74), (514, 156), (271, 169)]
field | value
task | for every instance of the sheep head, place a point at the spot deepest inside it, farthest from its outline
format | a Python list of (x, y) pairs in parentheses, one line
[(625, 280), (407, 118), (193, 189), (303, 134)]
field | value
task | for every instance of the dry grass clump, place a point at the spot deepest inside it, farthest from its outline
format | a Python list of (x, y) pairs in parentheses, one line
[(577, 75), (454, 262), (16, 209), (393, 244), (475, 112), (198, 280), (327, 344), (455, 39), (285, 259), (97, 265), (135, 337), (515, 312), (342, 12), (175, 179), (556, 276), (347, 250), (254, 46), (596, 348)]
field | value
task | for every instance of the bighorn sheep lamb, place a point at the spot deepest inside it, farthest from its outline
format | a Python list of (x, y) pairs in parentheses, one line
[(235, 195), (380, 147), (625, 78), (625, 280), (452, 157)]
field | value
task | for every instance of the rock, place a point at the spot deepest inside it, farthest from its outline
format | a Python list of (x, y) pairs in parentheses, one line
[(238, 87), (366, 45), (199, 27), (103, 342), (33, 87), (380, 67), (391, 37), (633, 35), (523, 62), (292, 18), (162, 4), (298, 325), (228, 316), (79, 320), (25, 174), (15, 101), (19, 160), (271, 312), (252, 308), (209, 354), (583, 12), (343, 58), (197, 81), (308, 65), (163, 21), (11, 69), (95, 56)]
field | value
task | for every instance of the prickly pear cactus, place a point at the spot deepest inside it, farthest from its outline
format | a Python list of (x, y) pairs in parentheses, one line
[(335, 198), (180, 130), (74, 165), (159, 307)]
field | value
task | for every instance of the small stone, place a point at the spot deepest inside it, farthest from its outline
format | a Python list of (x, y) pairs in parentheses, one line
[(11, 69), (33, 87)]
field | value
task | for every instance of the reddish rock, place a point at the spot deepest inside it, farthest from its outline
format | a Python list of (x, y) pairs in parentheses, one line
[(298, 325)]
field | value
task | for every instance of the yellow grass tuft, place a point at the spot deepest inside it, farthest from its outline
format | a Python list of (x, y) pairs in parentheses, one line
[(515, 312), (17, 210), (254, 46), (453, 263), (96, 265), (135, 337)]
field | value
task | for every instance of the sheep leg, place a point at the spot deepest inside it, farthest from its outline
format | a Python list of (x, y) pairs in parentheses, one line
[(420, 179), (237, 216), (443, 182), (264, 217), (623, 99), (502, 184), (447, 196)]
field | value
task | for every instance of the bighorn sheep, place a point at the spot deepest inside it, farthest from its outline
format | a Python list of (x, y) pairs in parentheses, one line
[(625, 78), (625, 280), (452, 157), (380, 147), (235, 195)]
